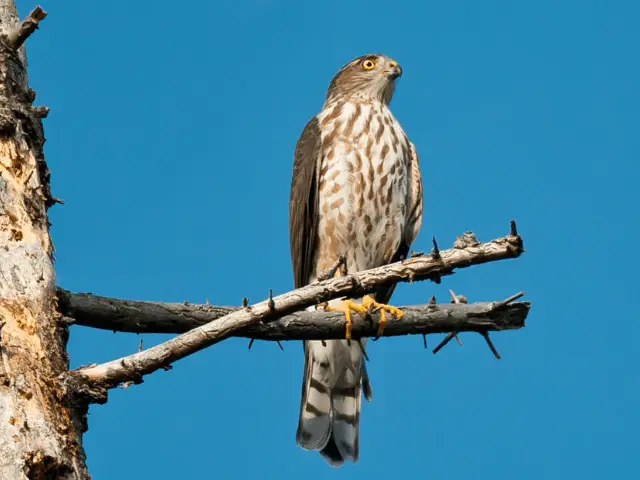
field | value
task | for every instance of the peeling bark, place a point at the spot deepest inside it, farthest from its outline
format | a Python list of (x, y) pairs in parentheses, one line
[(40, 437)]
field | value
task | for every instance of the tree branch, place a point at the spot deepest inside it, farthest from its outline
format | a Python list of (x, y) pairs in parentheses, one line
[(132, 316), (467, 251), (147, 317), (17, 36)]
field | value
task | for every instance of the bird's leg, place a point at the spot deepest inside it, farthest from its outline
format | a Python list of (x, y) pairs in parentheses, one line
[(368, 301), (346, 306)]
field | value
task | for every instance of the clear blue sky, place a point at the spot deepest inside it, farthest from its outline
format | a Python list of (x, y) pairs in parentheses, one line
[(171, 136)]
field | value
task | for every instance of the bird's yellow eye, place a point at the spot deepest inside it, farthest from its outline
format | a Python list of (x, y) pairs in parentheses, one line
[(368, 64)]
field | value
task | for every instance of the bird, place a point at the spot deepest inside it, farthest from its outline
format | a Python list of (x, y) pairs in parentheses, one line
[(356, 195)]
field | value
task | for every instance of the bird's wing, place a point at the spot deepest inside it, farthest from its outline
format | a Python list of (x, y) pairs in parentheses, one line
[(314, 423), (414, 219), (414, 200), (303, 202)]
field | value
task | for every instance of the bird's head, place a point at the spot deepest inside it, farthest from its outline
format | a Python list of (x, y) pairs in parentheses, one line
[(370, 77)]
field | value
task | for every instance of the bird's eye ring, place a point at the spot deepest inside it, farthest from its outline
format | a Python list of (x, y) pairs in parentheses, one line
[(368, 64)]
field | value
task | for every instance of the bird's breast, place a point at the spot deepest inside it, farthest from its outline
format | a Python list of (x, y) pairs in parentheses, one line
[(362, 184)]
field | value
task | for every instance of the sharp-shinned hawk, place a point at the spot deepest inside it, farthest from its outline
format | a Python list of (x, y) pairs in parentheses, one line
[(356, 192)]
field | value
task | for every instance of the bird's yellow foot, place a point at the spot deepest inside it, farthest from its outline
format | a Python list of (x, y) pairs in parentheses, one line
[(369, 302), (347, 306)]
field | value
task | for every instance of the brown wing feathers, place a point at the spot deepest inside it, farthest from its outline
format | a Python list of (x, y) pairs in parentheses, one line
[(303, 203)]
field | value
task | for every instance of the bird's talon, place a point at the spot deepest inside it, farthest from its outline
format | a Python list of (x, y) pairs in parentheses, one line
[(381, 323), (346, 307), (368, 302)]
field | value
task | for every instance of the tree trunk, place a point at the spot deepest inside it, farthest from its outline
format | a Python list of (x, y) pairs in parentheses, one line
[(40, 436)]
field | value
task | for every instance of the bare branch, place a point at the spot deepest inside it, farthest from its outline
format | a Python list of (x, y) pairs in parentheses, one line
[(331, 272), (317, 324), (513, 228), (490, 344), (446, 340), (137, 317), (176, 318), (155, 317), (270, 303), (507, 301), (494, 308), (435, 251), (321, 325), (133, 367), (19, 35)]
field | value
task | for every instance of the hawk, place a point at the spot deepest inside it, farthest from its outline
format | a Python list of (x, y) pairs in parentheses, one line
[(356, 192)]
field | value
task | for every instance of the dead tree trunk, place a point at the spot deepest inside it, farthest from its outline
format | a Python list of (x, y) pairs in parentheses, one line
[(40, 437)]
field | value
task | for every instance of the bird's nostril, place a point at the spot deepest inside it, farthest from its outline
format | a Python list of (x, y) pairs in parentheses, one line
[(393, 64)]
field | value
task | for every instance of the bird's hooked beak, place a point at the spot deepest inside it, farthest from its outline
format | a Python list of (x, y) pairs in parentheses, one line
[(394, 70)]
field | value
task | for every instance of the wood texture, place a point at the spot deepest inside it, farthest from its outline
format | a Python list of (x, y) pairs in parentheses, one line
[(93, 381), (151, 317), (17, 36), (40, 437), (117, 315)]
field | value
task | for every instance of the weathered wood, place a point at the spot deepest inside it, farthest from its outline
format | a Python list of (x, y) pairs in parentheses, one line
[(40, 437), (17, 36), (93, 381), (117, 315), (153, 317)]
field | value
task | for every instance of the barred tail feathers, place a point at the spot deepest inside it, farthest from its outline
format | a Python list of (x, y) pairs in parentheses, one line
[(329, 418), (314, 422), (345, 426)]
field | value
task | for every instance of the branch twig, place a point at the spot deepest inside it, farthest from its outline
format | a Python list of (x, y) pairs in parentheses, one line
[(19, 35), (456, 299), (512, 298), (331, 272), (496, 306), (134, 367), (490, 344), (500, 305)]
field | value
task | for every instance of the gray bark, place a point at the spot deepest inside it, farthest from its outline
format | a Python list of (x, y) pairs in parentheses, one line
[(40, 437), (152, 317), (117, 315)]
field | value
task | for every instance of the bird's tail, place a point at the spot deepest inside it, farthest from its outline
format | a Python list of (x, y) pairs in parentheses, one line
[(329, 418), (314, 422), (343, 444)]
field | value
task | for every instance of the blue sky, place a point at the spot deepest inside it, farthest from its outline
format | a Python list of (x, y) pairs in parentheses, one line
[(171, 136)]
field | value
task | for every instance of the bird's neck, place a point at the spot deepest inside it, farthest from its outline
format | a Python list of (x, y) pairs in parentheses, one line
[(355, 98)]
